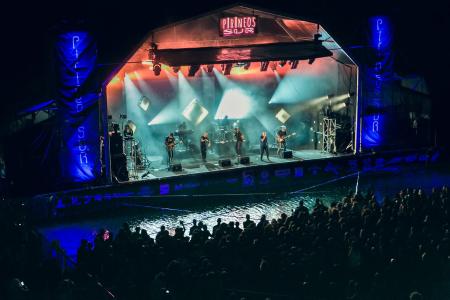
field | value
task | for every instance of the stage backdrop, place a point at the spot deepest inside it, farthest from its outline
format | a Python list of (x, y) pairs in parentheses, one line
[(78, 107)]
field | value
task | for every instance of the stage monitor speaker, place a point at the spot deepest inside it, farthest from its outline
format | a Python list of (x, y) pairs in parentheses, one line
[(287, 154), (175, 167), (244, 160), (225, 162)]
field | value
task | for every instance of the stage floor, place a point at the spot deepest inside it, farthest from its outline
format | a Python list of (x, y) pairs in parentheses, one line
[(158, 165)]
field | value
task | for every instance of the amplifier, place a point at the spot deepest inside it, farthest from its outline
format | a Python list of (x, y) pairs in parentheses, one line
[(244, 160), (175, 167), (225, 162), (287, 154)]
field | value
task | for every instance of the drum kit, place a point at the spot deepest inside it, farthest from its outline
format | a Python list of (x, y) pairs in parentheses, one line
[(223, 134)]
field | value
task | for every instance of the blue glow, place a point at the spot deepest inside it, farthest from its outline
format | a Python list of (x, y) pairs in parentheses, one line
[(377, 75), (164, 189), (282, 172), (79, 160), (299, 172)]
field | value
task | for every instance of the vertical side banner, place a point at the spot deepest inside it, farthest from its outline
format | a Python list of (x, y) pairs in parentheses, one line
[(78, 108), (377, 76)]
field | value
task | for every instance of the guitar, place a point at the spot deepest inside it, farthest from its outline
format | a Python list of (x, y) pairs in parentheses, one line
[(281, 139), (170, 145)]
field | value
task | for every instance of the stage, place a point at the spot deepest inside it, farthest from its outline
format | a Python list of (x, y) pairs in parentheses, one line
[(306, 170), (158, 167)]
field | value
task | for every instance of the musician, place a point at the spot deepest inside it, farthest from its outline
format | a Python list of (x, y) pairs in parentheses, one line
[(264, 145), (204, 144), (225, 122), (127, 131), (281, 138), (239, 137), (170, 145)]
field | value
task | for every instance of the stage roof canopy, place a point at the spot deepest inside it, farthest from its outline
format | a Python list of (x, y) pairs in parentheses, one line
[(199, 41)]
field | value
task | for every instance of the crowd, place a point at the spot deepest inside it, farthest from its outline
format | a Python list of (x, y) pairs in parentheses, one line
[(354, 249), (33, 268)]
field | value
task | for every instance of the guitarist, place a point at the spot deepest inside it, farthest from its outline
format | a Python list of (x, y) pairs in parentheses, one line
[(281, 139), (170, 145)]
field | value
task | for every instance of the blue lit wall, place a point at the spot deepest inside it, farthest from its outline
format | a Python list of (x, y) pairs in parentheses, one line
[(78, 108), (377, 75)]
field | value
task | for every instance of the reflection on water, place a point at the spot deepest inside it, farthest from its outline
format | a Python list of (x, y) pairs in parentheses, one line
[(235, 208)]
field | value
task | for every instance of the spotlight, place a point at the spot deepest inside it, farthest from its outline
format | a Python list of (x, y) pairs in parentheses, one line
[(311, 61), (176, 69), (282, 63), (157, 69), (247, 65), (209, 68), (227, 70), (193, 69), (264, 65), (294, 64), (273, 66), (144, 103)]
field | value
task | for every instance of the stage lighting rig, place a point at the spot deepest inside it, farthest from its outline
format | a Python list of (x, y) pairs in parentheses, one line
[(273, 66), (209, 68), (227, 70), (176, 69), (193, 69), (247, 65), (282, 63), (294, 64), (264, 66), (311, 61)]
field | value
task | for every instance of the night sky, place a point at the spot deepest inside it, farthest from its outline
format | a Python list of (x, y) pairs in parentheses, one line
[(420, 33)]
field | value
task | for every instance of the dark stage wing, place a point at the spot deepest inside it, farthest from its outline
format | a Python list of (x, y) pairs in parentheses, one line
[(222, 55)]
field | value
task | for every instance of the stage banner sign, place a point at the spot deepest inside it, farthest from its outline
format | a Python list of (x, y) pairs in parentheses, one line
[(77, 100), (376, 123), (238, 26)]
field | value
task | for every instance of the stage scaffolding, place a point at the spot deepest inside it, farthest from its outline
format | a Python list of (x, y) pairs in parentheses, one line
[(329, 135)]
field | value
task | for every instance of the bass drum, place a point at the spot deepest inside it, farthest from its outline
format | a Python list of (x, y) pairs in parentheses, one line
[(229, 136)]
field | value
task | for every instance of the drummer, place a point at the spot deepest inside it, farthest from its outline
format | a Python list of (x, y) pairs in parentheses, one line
[(225, 122)]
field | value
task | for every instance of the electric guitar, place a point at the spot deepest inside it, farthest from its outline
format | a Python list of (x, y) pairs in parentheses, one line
[(281, 139), (171, 145)]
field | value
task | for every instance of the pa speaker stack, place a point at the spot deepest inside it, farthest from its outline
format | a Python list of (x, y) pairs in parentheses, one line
[(244, 160), (175, 167), (287, 154), (225, 162)]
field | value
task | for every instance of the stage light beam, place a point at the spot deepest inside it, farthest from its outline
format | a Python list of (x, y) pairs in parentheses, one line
[(235, 103)]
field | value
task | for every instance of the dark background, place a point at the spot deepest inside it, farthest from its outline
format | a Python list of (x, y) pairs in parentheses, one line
[(420, 38)]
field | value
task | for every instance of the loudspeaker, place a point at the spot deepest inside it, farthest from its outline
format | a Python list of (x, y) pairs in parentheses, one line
[(287, 154), (175, 167), (225, 162), (245, 160)]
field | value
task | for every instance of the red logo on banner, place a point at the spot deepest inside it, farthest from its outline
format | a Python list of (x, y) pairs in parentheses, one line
[(237, 26)]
